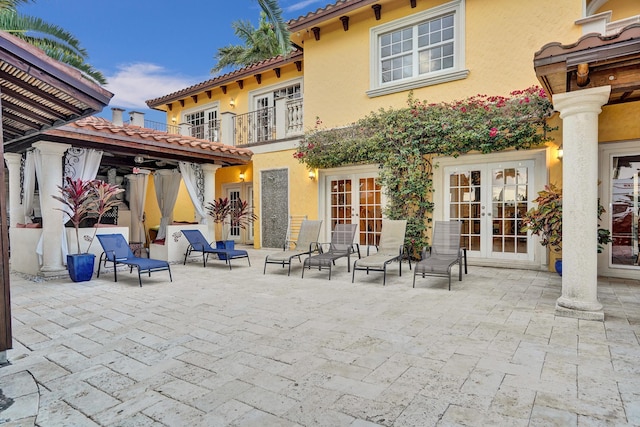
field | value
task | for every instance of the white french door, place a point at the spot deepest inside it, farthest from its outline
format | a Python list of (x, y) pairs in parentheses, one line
[(263, 117), (490, 200), (355, 199)]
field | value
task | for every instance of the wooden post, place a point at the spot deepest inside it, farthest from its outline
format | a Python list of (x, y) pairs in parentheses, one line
[(5, 300)]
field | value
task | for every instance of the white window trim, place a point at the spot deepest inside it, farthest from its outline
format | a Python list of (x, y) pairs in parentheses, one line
[(266, 90), (458, 71), (204, 107)]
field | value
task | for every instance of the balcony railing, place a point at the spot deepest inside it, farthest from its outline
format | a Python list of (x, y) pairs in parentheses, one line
[(256, 126), (294, 116), (209, 130), (265, 125), (162, 127)]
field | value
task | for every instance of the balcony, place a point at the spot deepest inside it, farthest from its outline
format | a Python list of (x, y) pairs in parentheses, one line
[(266, 125)]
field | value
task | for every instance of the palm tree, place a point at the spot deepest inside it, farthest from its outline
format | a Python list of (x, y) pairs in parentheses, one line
[(270, 39), (259, 44), (272, 9), (56, 42)]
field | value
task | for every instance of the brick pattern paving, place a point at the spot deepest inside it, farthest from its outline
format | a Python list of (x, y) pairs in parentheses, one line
[(239, 348)]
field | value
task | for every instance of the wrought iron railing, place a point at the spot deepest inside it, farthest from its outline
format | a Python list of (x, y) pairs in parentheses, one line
[(256, 126), (209, 130), (162, 127)]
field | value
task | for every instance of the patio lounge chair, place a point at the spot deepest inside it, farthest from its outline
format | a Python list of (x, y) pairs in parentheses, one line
[(306, 244), (341, 245), (391, 248), (117, 250), (198, 243), (443, 254)]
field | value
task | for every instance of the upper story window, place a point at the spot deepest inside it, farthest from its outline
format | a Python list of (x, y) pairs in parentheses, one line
[(418, 50), (204, 124)]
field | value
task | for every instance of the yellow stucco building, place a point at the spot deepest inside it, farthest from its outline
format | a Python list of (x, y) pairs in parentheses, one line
[(355, 57)]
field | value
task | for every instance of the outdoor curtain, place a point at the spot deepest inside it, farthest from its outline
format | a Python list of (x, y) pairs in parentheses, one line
[(28, 185), (80, 163), (167, 183), (194, 181), (137, 190)]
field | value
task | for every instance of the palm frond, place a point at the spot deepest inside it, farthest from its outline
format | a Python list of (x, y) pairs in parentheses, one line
[(274, 13)]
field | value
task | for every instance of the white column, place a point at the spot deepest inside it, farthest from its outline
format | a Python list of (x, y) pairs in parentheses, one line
[(13, 161), (227, 131), (281, 118), (209, 172), (579, 113), (52, 226)]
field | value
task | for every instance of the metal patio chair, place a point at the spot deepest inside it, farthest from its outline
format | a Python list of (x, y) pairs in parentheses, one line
[(306, 243), (391, 248), (444, 253)]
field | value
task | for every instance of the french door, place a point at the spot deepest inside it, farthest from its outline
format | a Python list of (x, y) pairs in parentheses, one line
[(355, 199), (490, 200), (264, 112)]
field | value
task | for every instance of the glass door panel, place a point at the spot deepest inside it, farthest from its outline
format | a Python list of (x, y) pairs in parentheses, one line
[(359, 203), (625, 210), (370, 212), (490, 200)]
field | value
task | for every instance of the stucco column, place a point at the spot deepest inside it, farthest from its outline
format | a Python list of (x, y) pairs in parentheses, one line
[(52, 226), (579, 113), (13, 161), (209, 172)]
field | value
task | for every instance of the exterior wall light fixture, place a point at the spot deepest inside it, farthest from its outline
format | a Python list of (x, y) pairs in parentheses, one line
[(232, 103), (241, 176), (560, 152), (312, 175)]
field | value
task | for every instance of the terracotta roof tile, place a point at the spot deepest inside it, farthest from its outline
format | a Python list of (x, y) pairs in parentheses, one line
[(105, 126), (340, 7), (249, 70)]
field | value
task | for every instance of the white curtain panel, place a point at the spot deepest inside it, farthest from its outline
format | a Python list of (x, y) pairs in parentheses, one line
[(28, 185), (167, 183), (190, 172), (82, 163), (137, 194)]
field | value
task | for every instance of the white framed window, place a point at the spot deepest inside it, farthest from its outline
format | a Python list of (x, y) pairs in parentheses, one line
[(203, 124), (420, 50)]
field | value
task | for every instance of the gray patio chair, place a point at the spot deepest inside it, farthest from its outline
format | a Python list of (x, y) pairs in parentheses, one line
[(444, 253), (341, 245), (391, 248), (306, 243)]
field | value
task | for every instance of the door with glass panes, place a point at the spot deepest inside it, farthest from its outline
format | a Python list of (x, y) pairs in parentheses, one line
[(356, 199), (490, 200)]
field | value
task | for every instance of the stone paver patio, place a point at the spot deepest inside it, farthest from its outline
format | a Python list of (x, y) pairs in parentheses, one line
[(239, 348)]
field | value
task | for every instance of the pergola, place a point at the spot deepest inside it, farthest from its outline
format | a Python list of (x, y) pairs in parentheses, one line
[(581, 78), (37, 93)]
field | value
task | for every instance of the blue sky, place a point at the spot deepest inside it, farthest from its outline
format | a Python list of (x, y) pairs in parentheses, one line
[(149, 48)]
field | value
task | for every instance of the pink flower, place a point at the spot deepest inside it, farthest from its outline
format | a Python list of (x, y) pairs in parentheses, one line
[(493, 132)]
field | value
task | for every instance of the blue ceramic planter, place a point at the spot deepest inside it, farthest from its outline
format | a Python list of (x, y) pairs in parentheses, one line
[(558, 266), (80, 267)]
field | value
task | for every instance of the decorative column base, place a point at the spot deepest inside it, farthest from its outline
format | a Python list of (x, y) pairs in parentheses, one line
[(579, 310)]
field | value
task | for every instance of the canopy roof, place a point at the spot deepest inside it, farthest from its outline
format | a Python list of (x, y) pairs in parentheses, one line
[(39, 92), (594, 60)]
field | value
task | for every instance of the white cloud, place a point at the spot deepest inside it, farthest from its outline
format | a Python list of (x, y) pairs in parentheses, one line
[(300, 5), (133, 84)]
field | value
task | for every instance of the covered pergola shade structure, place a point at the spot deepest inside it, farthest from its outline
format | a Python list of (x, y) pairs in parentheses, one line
[(37, 93), (581, 78)]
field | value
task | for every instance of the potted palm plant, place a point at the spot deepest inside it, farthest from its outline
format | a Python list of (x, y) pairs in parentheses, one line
[(545, 221), (228, 214), (84, 199)]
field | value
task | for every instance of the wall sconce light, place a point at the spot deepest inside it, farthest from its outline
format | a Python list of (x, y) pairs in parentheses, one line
[(312, 175), (560, 152), (232, 103), (173, 119), (241, 176)]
